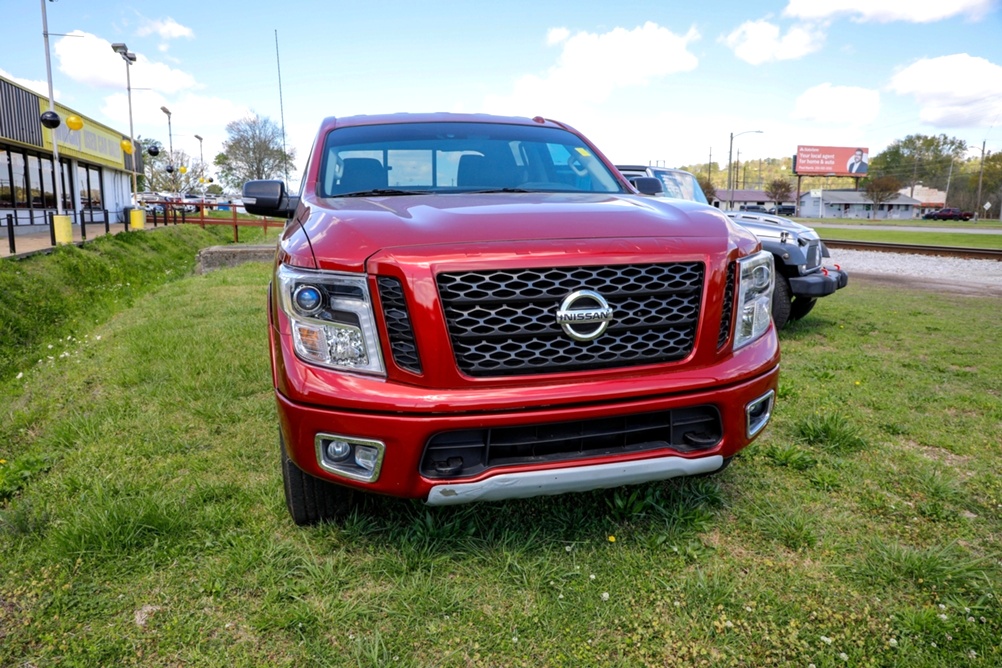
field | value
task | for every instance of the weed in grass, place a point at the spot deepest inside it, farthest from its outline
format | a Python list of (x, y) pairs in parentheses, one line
[(17, 473), (24, 519), (833, 432), (789, 455), (894, 429), (118, 524), (826, 479), (786, 390), (794, 528), (631, 503), (934, 567)]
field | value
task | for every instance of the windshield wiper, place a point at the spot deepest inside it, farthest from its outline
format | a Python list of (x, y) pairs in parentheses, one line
[(383, 192), (499, 190)]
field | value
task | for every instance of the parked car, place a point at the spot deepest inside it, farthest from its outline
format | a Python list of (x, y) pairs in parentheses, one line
[(797, 250), (500, 315), (753, 207), (949, 213), (783, 210)]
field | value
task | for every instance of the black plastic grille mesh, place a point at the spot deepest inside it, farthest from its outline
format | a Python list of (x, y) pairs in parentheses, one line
[(814, 254), (398, 324), (470, 451), (728, 308), (504, 322)]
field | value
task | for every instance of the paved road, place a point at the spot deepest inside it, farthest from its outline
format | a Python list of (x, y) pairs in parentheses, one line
[(820, 222)]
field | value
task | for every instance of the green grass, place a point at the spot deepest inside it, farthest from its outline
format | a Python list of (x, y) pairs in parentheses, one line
[(932, 224), (958, 239), (148, 527)]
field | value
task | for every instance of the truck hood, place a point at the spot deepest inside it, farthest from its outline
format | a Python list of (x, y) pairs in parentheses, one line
[(344, 232), (774, 227)]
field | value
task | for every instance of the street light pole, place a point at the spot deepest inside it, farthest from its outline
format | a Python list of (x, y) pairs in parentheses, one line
[(129, 58), (730, 169), (201, 167), (52, 108), (170, 160)]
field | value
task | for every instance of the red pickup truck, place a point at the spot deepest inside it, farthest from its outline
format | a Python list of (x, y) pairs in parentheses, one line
[(948, 214), (468, 307)]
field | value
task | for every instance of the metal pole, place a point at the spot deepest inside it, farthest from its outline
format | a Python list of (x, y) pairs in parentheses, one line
[(730, 187), (981, 174), (52, 108), (132, 134)]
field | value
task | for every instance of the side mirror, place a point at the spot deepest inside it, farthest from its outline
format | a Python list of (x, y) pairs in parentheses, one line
[(647, 185), (268, 198)]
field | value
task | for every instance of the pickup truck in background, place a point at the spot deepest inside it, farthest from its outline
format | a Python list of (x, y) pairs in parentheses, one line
[(948, 214)]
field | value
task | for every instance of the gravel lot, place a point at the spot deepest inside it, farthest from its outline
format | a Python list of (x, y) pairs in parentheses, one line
[(941, 274)]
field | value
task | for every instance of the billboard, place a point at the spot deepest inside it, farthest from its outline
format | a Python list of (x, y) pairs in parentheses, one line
[(832, 160)]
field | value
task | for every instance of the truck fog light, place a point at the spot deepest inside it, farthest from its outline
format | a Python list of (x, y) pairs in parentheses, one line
[(758, 413), (366, 457), (338, 451), (350, 456)]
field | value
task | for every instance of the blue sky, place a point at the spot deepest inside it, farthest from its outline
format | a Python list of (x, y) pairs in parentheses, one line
[(648, 81)]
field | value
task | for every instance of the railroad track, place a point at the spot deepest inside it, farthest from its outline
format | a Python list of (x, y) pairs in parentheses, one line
[(915, 249)]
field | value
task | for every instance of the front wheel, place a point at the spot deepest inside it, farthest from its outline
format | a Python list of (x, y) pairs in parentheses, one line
[(801, 306), (312, 500), (781, 302)]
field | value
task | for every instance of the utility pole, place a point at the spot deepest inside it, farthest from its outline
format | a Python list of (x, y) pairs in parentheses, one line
[(708, 163), (981, 175)]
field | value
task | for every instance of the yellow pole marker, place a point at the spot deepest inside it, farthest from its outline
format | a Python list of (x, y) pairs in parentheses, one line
[(63, 229)]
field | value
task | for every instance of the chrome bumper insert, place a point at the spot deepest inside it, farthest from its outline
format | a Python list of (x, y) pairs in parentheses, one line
[(574, 479)]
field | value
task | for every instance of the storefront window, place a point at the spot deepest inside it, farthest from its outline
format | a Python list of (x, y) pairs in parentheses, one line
[(48, 188), (34, 182), (6, 190), (94, 185), (66, 174), (19, 179)]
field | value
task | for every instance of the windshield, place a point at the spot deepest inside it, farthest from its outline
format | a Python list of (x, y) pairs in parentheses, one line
[(406, 158), (680, 185)]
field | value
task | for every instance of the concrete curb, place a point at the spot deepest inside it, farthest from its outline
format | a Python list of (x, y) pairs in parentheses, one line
[(222, 257)]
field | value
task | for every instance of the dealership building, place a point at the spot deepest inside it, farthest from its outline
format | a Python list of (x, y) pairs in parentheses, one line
[(94, 171)]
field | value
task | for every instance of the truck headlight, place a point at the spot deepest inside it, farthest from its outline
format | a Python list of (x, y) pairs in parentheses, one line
[(757, 279), (331, 317)]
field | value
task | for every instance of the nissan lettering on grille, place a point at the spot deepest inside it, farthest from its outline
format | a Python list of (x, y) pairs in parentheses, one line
[(584, 315)]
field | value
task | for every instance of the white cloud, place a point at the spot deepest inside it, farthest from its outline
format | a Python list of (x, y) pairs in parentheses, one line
[(837, 105), (885, 11), (758, 42), (40, 87), (165, 29), (591, 66), (88, 59), (953, 91), (557, 35)]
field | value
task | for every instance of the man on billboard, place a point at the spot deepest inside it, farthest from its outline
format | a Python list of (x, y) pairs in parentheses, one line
[(857, 163)]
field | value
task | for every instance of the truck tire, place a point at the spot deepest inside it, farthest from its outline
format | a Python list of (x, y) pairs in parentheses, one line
[(781, 302), (312, 500), (801, 306)]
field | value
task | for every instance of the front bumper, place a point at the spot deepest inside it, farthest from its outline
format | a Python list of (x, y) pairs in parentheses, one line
[(821, 284), (404, 436)]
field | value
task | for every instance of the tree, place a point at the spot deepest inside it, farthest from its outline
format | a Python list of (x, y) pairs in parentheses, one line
[(920, 159), (779, 191), (708, 188), (156, 178), (253, 151), (881, 189)]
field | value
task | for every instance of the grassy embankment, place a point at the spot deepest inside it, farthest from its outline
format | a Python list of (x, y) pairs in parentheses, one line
[(142, 522)]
